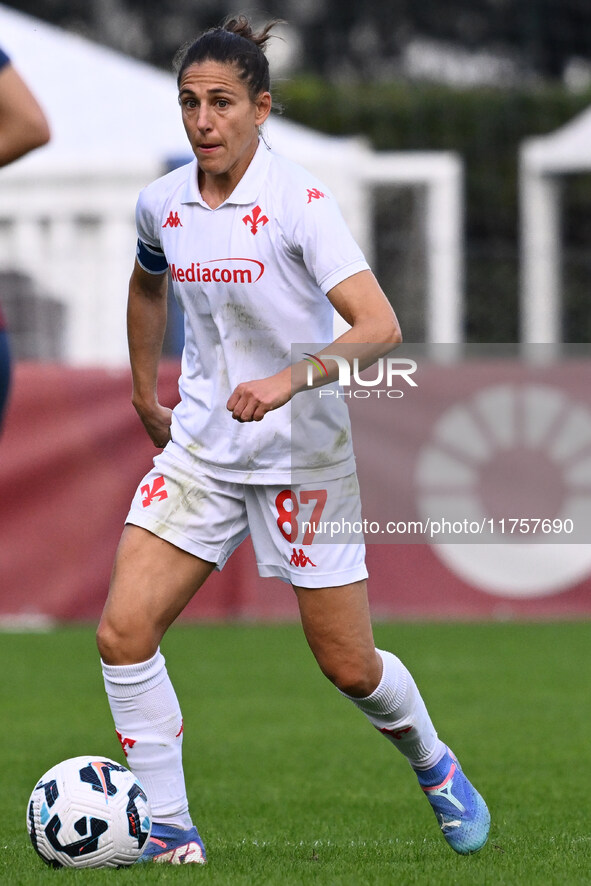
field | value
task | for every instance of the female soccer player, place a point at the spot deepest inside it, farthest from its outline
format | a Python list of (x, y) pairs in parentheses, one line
[(259, 258)]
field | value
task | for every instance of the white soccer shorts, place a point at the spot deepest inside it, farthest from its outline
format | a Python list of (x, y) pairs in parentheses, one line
[(209, 518)]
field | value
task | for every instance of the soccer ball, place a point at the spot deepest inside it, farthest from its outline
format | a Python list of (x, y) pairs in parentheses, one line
[(88, 812)]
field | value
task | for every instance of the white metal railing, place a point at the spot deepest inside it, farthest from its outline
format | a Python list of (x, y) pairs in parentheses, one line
[(74, 236)]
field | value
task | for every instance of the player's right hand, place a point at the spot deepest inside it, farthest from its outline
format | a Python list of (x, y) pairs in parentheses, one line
[(157, 421)]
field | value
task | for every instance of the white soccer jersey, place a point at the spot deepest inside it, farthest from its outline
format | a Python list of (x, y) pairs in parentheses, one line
[(251, 277)]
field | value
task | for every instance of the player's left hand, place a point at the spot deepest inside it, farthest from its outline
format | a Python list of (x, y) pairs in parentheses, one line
[(251, 400)]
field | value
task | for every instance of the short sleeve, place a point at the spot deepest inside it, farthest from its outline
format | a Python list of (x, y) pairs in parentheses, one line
[(323, 239), (149, 253), (4, 59)]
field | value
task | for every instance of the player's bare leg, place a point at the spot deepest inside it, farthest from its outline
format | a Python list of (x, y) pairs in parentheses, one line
[(337, 626), (152, 583)]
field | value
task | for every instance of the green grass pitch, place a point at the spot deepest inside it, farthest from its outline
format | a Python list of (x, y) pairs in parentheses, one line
[(289, 784)]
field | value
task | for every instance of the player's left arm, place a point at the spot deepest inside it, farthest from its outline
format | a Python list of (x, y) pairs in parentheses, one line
[(374, 329), (361, 301)]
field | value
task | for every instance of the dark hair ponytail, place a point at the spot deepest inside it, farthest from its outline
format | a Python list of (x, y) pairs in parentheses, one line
[(234, 42)]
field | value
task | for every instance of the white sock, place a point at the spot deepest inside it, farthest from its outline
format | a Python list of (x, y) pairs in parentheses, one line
[(396, 709), (149, 726)]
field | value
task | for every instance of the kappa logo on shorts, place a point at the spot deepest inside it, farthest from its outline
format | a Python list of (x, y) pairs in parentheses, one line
[(256, 220), (156, 492), (314, 194), (173, 220), (298, 558)]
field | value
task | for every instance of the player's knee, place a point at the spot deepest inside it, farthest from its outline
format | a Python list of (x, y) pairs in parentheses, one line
[(358, 679), (124, 644), (109, 642)]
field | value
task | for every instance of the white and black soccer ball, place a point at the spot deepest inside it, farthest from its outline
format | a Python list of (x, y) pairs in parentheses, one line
[(89, 812)]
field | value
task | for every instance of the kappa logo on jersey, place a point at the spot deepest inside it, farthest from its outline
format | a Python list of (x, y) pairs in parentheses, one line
[(155, 492), (222, 270), (314, 194), (256, 220), (173, 220), (298, 558)]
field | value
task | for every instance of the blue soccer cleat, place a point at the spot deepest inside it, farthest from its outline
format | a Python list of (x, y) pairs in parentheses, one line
[(460, 810), (170, 845)]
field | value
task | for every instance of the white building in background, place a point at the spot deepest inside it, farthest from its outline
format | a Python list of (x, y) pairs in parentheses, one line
[(67, 211)]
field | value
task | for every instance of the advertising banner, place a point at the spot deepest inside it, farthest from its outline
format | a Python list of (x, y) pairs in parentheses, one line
[(474, 471)]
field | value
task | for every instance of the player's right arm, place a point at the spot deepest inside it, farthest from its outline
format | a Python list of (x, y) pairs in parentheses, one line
[(23, 125), (146, 325)]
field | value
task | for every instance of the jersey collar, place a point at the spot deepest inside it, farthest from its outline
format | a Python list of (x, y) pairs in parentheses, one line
[(248, 188)]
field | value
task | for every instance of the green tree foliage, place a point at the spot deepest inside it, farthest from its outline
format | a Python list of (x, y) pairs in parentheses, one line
[(486, 127), (339, 36), (350, 81)]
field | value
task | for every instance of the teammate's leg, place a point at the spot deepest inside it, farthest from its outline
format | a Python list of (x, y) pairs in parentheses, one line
[(152, 583), (337, 626)]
